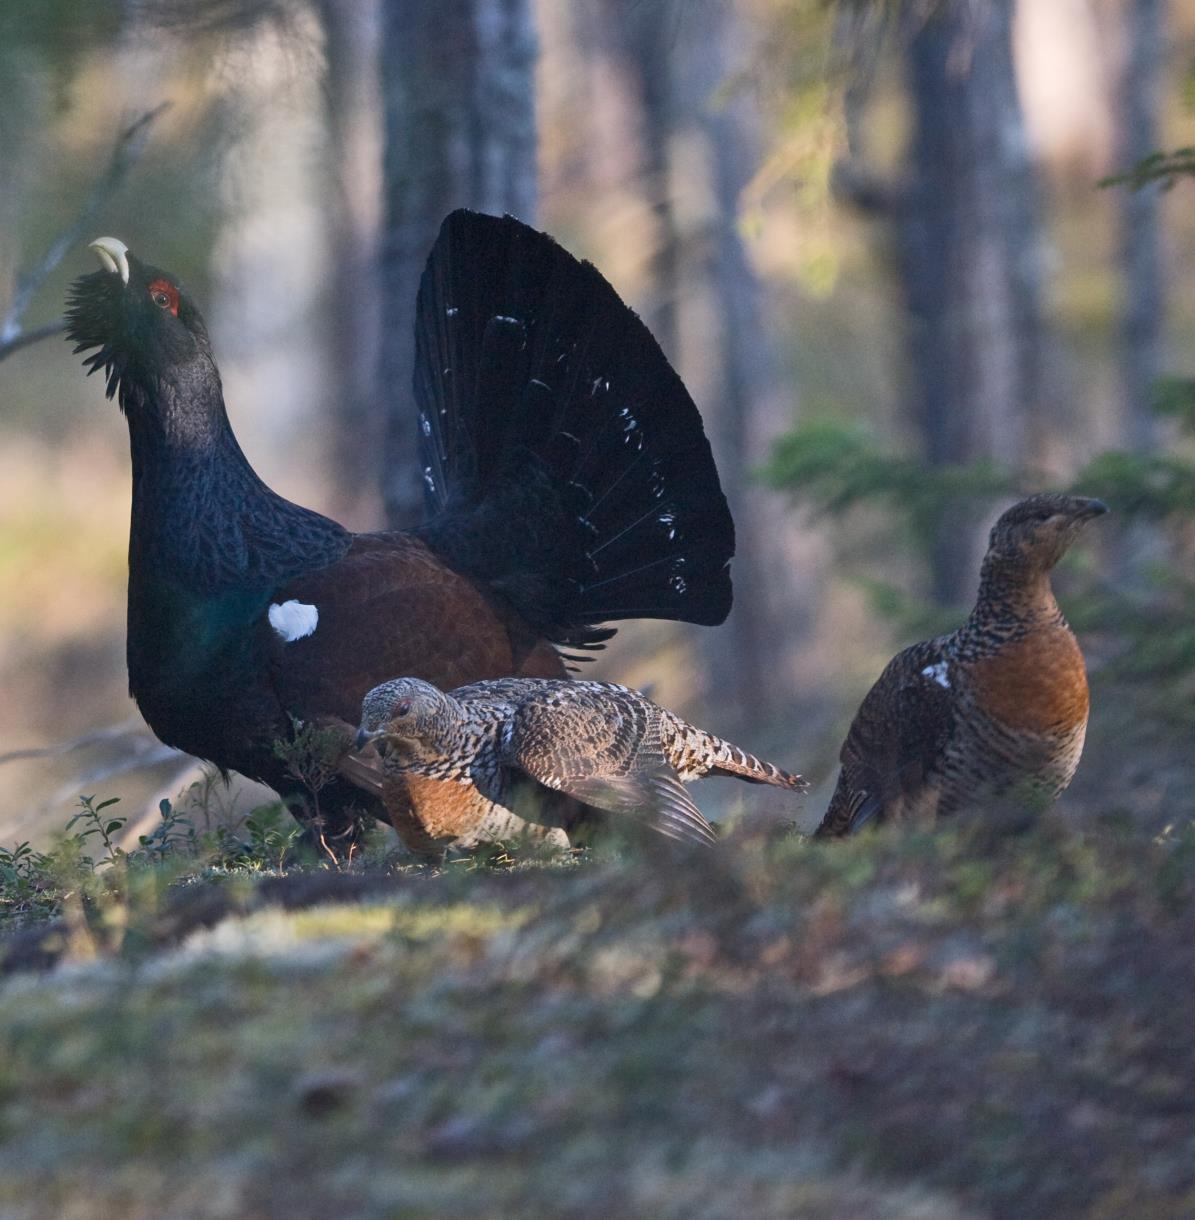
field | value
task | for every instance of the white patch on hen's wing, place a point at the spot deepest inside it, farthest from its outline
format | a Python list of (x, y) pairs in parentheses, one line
[(293, 620), (939, 673)]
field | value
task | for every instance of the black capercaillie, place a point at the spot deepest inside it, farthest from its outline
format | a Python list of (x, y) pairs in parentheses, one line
[(568, 481)]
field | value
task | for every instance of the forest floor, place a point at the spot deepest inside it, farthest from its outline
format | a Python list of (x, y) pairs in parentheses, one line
[(948, 1025)]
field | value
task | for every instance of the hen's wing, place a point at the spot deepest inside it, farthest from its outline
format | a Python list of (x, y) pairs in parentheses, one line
[(897, 740), (601, 745)]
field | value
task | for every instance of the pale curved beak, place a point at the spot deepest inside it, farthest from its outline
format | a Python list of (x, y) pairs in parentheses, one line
[(113, 255)]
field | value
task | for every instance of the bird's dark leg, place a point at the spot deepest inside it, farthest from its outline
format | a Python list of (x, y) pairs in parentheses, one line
[(334, 826)]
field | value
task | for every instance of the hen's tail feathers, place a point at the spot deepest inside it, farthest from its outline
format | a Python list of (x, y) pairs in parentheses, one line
[(730, 760), (565, 463)]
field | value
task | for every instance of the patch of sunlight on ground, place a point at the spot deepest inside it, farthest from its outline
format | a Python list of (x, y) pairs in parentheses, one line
[(273, 932)]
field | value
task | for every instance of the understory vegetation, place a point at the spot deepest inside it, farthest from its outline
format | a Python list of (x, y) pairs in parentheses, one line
[(956, 1024)]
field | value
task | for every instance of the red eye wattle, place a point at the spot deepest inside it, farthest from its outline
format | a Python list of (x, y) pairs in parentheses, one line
[(164, 295)]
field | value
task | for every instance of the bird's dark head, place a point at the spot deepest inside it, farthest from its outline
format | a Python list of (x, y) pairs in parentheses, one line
[(404, 714), (134, 319), (1036, 533)]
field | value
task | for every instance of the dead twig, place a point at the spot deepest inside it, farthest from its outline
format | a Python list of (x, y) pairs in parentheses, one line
[(128, 148), (24, 338)]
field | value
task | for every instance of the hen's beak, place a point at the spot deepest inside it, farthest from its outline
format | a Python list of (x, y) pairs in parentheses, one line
[(113, 255), (364, 737), (1093, 508)]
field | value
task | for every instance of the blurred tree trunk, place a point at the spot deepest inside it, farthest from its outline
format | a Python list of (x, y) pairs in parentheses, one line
[(22, 115), (747, 375), (458, 94), (640, 33), (973, 260), (351, 39), (731, 366), (1143, 284)]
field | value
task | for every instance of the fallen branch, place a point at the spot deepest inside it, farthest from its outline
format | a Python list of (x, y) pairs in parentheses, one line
[(138, 750), (129, 146), (149, 752), (94, 737)]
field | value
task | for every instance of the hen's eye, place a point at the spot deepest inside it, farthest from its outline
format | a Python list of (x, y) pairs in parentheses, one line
[(161, 300), (403, 708)]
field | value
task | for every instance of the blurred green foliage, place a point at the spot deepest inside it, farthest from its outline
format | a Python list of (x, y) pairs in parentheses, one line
[(1163, 168), (833, 468), (1143, 604)]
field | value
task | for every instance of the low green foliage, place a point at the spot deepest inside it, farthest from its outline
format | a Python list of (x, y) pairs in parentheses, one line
[(311, 755), (1161, 168), (92, 823), (173, 835), (27, 890), (199, 837), (40, 885)]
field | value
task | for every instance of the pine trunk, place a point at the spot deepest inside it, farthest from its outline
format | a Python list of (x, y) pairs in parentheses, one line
[(1141, 261), (459, 129), (351, 37), (729, 361), (972, 260)]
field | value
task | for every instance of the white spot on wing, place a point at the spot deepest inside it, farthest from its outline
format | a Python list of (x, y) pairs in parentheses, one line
[(293, 620), (938, 673)]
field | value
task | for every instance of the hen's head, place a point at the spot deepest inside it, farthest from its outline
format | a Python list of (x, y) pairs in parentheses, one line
[(405, 713), (1037, 532)]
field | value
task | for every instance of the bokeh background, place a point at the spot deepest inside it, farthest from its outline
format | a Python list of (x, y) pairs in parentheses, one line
[(870, 235)]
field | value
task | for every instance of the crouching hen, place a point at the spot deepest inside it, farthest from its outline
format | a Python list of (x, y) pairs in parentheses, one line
[(523, 755), (991, 717), (567, 476)]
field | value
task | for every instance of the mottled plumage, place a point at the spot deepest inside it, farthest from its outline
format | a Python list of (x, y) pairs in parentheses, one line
[(545, 752), (990, 716), (567, 477)]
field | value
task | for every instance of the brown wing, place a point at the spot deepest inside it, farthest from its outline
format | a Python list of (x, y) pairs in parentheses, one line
[(658, 799), (897, 740), (602, 747), (390, 608)]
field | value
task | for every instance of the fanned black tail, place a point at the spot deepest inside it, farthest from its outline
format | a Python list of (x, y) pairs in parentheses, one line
[(564, 461)]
